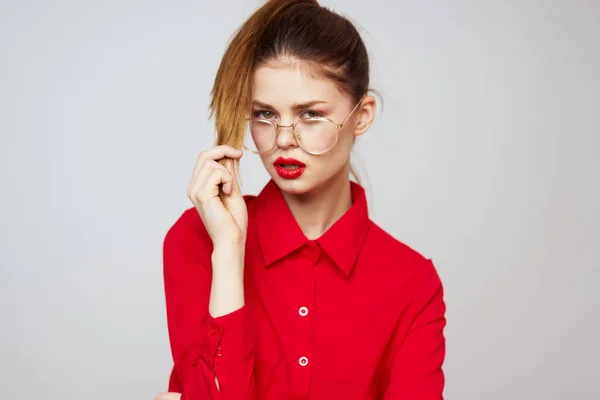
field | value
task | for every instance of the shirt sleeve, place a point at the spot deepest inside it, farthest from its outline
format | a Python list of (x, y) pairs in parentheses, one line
[(416, 365), (203, 347)]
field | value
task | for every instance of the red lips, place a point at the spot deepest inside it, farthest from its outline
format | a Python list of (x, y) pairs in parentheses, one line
[(289, 168)]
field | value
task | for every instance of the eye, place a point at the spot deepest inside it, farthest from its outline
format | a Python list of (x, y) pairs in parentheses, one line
[(263, 114), (312, 114)]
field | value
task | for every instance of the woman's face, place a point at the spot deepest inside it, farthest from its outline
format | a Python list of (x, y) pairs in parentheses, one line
[(278, 89)]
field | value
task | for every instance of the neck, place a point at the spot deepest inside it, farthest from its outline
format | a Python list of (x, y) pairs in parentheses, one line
[(318, 210)]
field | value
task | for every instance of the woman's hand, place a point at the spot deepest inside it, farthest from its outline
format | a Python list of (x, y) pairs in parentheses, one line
[(168, 396), (225, 217)]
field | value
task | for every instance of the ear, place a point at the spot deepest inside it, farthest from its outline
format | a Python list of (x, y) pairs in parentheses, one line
[(365, 115)]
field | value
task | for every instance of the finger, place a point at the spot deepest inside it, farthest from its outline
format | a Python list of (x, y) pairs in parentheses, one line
[(219, 152), (227, 186), (199, 180), (225, 179), (211, 188), (216, 153), (230, 165), (207, 168)]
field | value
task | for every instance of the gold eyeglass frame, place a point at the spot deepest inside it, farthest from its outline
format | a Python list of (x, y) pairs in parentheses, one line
[(297, 136)]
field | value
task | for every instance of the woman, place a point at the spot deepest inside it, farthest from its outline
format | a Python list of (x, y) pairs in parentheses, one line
[(295, 293)]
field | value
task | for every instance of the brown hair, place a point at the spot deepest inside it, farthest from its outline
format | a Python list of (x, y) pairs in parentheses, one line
[(324, 41)]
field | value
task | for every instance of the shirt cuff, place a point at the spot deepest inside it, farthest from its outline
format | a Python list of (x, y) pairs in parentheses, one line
[(228, 349)]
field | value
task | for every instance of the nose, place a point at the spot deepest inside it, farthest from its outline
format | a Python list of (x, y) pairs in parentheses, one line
[(286, 137)]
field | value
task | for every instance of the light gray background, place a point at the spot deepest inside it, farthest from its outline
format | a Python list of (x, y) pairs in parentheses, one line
[(484, 158)]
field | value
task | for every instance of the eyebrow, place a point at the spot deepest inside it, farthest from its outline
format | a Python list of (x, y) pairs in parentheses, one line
[(294, 107)]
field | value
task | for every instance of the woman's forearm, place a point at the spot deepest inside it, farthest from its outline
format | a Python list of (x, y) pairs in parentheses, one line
[(227, 287)]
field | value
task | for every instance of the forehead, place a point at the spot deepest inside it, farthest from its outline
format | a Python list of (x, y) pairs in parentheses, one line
[(285, 84)]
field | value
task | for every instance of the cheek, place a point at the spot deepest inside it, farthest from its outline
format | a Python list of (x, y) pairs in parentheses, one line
[(265, 160), (345, 143), (337, 157)]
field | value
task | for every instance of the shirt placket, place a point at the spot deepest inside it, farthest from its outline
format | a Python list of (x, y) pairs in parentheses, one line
[(304, 362)]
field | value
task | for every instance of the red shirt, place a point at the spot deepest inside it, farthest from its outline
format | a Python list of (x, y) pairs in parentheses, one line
[(354, 314)]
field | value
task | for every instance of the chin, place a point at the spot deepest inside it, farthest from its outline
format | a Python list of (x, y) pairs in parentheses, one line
[(298, 186), (305, 184)]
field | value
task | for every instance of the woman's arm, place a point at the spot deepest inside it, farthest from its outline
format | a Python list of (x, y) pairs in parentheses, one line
[(226, 297), (418, 352), (208, 326)]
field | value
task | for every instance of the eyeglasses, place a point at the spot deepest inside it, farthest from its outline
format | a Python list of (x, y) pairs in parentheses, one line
[(315, 135)]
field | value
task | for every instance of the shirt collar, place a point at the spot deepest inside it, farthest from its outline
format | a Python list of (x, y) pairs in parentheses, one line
[(280, 235)]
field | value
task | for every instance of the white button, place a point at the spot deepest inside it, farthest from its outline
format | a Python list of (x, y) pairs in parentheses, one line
[(303, 361), (303, 311)]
